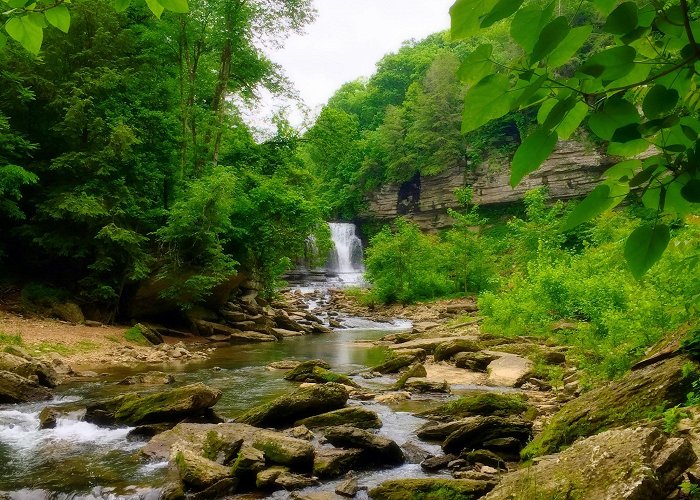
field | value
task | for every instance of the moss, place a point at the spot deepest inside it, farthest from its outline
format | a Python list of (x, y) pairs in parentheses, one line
[(7, 339), (354, 415), (430, 489), (323, 375), (134, 334), (486, 403), (62, 349)]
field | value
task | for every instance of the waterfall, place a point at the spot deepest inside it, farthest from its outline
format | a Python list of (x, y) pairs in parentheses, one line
[(345, 258)]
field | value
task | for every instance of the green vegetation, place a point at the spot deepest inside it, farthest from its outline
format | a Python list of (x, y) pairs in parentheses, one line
[(134, 334), (9, 339), (487, 403)]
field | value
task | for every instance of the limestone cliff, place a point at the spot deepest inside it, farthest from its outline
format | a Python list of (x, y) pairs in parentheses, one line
[(572, 171)]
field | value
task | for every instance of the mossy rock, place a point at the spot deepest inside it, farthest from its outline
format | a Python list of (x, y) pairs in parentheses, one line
[(249, 462), (416, 370), (431, 489), (635, 397), (472, 432), (302, 403), (448, 349), (144, 408), (379, 449), (356, 416), (196, 472), (322, 375), (334, 462), (483, 403), (395, 363), (16, 389), (283, 450), (303, 371)]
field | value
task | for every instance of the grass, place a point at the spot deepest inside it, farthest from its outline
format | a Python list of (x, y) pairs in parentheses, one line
[(62, 349), (9, 339), (134, 335)]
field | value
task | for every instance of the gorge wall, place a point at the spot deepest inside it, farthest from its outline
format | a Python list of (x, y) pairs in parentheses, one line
[(572, 171)]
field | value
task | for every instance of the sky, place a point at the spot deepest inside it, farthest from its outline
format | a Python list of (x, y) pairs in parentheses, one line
[(346, 41)]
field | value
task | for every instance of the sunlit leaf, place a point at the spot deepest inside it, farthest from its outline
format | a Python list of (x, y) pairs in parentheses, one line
[(26, 32), (533, 151), (528, 23), (550, 38), (155, 7), (603, 198), (59, 17), (486, 101), (610, 64), (623, 171), (574, 40), (502, 10), (466, 15), (476, 65), (644, 248)]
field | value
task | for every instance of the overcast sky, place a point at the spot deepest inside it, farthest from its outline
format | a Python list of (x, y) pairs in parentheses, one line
[(349, 37)]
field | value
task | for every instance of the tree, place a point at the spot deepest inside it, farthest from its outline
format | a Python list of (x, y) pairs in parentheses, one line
[(634, 57)]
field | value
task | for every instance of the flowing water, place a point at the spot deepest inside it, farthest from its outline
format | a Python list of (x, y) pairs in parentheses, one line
[(79, 460)]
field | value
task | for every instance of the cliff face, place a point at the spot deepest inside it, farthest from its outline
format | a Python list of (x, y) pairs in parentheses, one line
[(571, 171)]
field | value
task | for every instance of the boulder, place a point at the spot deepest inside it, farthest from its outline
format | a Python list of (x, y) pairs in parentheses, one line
[(149, 378), (481, 403), (287, 364), (48, 418), (395, 363), (630, 399), (151, 407), (302, 403), (348, 488), (437, 488), (639, 464), (291, 481), (356, 416), (251, 338), (304, 371), (16, 389), (150, 334), (419, 354), (449, 348), (334, 462), (45, 374), (474, 431), (428, 345), (196, 472), (474, 361), (266, 478), (379, 449), (284, 450), (509, 370), (249, 463), (16, 350), (435, 463), (427, 386), (68, 311), (416, 370)]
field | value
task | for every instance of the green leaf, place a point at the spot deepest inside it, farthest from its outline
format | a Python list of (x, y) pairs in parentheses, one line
[(528, 23), (534, 150), (26, 32), (3, 41), (659, 101), (59, 17), (177, 6), (691, 191), (605, 6), (121, 5), (155, 7), (603, 198), (616, 113), (629, 148), (623, 171), (486, 101), (476, 65), (623, 19), (574, 40), (644, 248), (572, 120), (550, 38), (466, 15), (502, 10), (610, 64)]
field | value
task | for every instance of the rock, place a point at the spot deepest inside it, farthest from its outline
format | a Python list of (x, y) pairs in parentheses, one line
[(304, 371), (48, 417), (413, 453), (437, 431), (419, 354), (474, 431), (149, 378), (301, 432), (484, 457), (395, 363), (150, 334), (390, 398), (18, 351), (138, 408), (474, 361), (414, 371), (197, 472), (16, 389), (639, 464), (427, 386), (145, 432), (31, 369), (428, 345), (290, 481), (334, 462), (68, 311), (315, 495), (92, 323), (249, 462), (448, 349), (356, 416), (617, 403), (348, 488), (423, 326), (222, 489), (482, 403), (380, 449), (509, 370), (251, 337), (437, 488), (432, 464), (302, 403), (288, 364), (266, 478), (282, 333), (284, 450)]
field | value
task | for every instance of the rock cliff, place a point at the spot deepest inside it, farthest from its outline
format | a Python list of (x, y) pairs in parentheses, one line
[(571, 171)]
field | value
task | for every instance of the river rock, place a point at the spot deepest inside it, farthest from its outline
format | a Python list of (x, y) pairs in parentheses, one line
[(449, 348), (304, 371), (143, 407), (291, 481), (419, 354), (480, 403), (617, 403), (428, 345), (302, 403), (266, 478), (248, 464), (150, 334), (474, 431), (432, 464), (287, 364), (40, 371), (416, 370), (356, 416), (474, 361), (390, 398), (509, 370), (348, 488), (149, 378), (21, 352), (395, 363), (16, 389), (437, 431), (484, 457), (251, 337), (402, 489), (197, 472), (48, 418), (379, 448), (427, 386), (639, 464), (334, 462)]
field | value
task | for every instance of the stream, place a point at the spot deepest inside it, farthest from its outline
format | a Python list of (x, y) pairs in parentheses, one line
[(79, 460)]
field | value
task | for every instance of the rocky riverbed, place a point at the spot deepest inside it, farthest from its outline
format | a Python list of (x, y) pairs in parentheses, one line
[(334, 405)]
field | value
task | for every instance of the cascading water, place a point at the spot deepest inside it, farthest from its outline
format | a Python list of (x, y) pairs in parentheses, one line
[(346, 256)]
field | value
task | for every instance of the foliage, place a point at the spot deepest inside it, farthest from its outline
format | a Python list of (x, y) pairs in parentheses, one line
[(632, 58), (10, 339), (134, 334)]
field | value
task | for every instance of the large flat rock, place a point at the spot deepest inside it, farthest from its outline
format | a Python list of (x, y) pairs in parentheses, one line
[(507, 370)]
